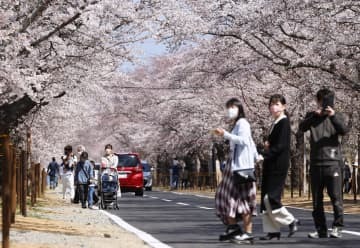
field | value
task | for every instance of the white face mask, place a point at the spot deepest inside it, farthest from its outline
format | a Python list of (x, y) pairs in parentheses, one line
[(233, 112)]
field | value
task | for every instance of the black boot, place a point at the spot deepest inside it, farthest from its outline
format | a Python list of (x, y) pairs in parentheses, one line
[(293, 227), (231, 231), (271, 236)]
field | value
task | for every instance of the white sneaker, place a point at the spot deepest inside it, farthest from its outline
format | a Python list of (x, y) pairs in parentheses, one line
[(315, 235), (244, 238), (93, 207), (336, 232)]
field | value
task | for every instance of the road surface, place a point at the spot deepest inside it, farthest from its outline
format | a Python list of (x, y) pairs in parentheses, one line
[(189, 221)]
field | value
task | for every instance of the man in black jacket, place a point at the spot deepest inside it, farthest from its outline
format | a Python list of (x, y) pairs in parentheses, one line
[(326, 126)]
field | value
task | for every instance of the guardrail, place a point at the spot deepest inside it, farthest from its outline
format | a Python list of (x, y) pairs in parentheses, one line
[(19, 179)]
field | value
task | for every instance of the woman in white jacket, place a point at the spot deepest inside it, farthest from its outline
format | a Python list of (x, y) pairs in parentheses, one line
[(237, 201)]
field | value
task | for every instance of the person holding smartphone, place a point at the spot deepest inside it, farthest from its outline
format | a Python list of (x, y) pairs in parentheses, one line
[(326, 161)]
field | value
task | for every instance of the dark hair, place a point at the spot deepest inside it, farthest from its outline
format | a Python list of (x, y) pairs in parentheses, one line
[(236, 102), (278, 98), (84, 155), (324, 93), (68, 149), (108, 146), (54, 159)]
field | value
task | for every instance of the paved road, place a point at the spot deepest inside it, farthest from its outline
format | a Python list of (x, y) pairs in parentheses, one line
[(189, 221)]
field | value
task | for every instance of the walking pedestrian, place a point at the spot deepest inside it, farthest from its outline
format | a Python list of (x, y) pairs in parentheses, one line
[(52, 170), (93, 184), (235, 202), (185, 178), (110, 162), (275, 168), (83, 175), (66, 174), (175, 174), (326, 126), (347, 178)]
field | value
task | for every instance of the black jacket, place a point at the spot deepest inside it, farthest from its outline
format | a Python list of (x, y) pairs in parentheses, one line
[(277, 158), (325, 132)]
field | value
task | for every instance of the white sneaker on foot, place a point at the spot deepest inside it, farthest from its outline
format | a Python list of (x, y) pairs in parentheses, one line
[(315, 235), (336, 232), (244, 238)]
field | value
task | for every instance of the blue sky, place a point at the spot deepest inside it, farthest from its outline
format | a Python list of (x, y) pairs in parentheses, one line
[(150, 48)]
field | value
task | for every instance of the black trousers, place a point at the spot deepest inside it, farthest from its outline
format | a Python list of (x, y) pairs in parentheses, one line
[(329, 177), (83, 193), (273, 186)]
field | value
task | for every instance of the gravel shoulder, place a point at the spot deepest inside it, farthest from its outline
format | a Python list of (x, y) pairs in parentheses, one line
[(54, 223)]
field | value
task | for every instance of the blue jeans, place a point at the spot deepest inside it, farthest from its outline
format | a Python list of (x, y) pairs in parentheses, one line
[(91, 195), (52, 182), (175, 181)]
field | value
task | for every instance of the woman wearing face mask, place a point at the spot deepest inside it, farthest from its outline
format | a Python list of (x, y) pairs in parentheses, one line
[(237, 201), (110, 162), (275, 168)]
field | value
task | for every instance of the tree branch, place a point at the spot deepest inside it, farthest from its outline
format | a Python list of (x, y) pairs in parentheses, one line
[(58, 28), (43, 5), (295, 36)]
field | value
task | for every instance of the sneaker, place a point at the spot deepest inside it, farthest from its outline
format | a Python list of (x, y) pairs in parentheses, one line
[(316, 235), (336, 232), (244, 238), (93, 207)]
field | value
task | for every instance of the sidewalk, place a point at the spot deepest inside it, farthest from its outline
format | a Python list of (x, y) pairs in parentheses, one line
[(56, 223)]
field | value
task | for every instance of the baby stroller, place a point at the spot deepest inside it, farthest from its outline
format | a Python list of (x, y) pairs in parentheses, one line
[(109, 185)]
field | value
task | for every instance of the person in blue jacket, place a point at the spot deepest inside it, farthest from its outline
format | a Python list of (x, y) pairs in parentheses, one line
[(83, 175)]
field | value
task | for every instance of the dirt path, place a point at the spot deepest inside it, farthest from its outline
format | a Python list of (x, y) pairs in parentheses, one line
[(56, 223)]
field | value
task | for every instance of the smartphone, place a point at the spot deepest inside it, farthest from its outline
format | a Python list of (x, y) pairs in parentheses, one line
[(328, 101), (213, 131)]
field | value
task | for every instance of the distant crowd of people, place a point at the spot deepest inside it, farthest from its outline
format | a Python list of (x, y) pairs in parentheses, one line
[(179, 175), (78, 174)]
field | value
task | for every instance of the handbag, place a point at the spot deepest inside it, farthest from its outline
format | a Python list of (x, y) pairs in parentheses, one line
[(243, 176)]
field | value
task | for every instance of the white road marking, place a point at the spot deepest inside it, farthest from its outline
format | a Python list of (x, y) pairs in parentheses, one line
[(348, 232), (166, 200), (178, 193), (154, 197), (351, 232), (205, 196), (147, 238), (183, 204), (206, 208)]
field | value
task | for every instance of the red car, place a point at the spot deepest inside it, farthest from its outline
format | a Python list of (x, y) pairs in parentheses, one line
[(130, 173)]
